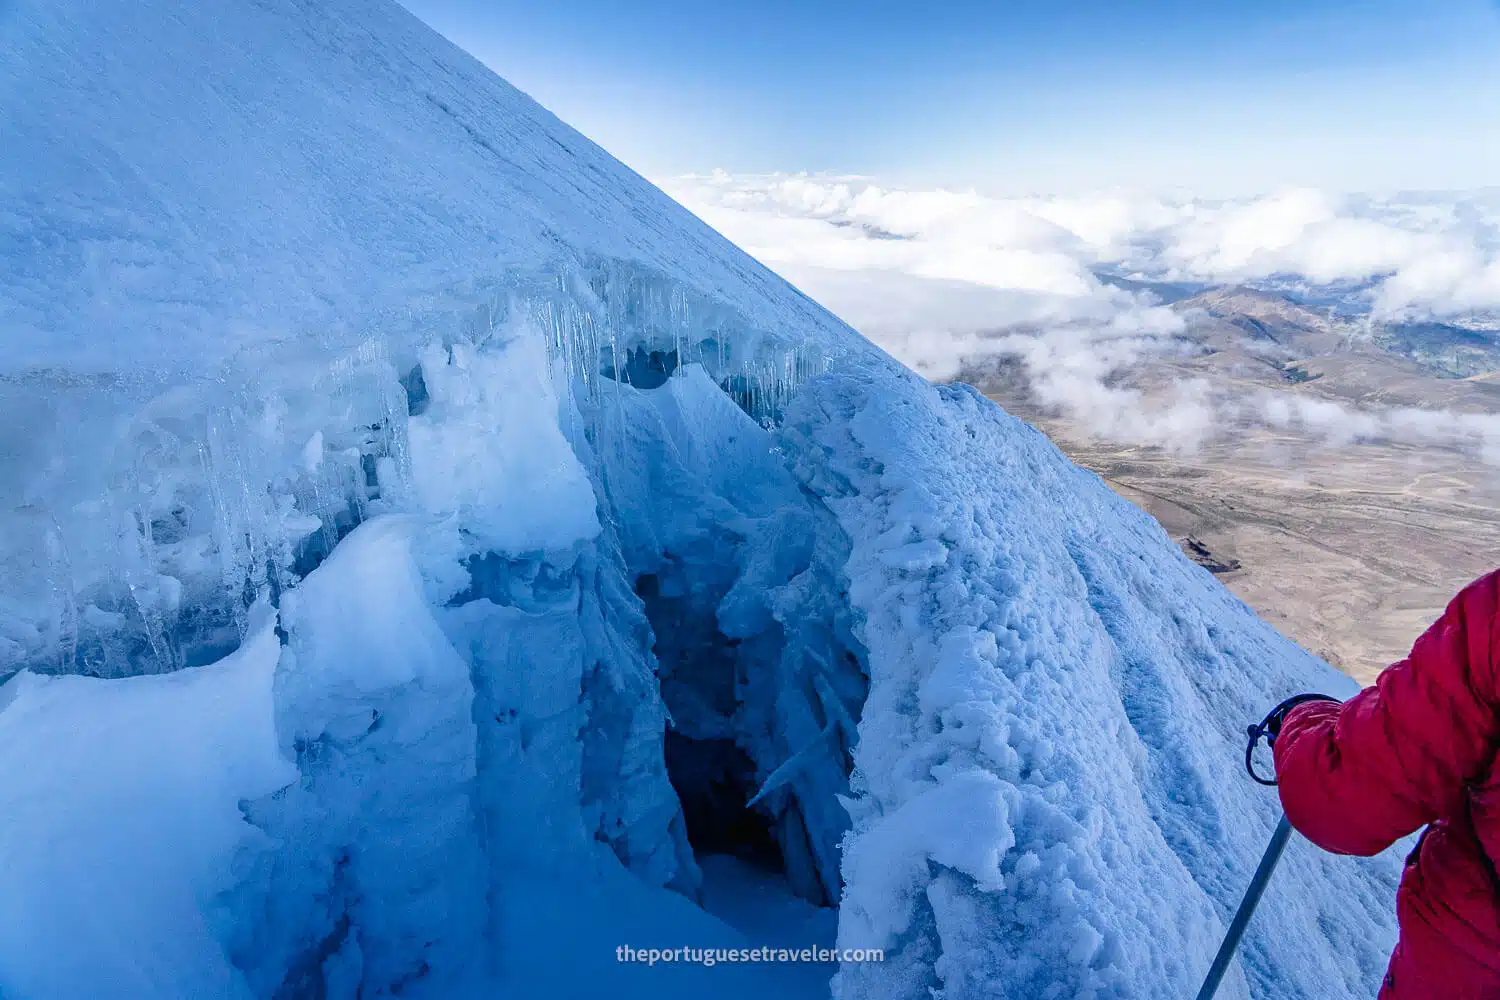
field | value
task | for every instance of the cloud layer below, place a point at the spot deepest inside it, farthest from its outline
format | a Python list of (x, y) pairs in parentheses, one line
[(945, 279)]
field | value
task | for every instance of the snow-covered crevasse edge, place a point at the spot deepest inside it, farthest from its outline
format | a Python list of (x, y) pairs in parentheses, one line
[(486, 626), (1040, 697), (1047, 794)]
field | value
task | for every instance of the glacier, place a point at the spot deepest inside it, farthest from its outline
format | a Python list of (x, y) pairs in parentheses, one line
[(431, 560)]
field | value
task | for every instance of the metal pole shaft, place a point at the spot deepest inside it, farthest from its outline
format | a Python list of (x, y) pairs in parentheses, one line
[(1247, 907)]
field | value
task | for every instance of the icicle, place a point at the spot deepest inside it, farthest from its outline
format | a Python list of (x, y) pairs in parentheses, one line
[(64, 601), (793, 764), (833, 706)]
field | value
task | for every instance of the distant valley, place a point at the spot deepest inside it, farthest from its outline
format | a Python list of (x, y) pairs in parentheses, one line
[(1342, 493)]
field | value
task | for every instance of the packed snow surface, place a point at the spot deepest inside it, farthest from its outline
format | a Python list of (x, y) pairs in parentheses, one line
[(431, 560), (120, 804)]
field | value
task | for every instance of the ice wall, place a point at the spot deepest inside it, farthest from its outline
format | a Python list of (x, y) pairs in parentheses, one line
[(741, 575), (148, 516), (142, 515), (456, 534), (371, 874)]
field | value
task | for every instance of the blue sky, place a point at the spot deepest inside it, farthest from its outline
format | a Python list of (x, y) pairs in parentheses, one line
[(1030, 96)]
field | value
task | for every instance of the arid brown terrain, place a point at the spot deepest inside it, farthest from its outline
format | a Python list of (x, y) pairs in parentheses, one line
[(1351, 549)]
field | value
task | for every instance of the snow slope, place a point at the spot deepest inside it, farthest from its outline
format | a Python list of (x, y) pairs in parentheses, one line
[(426, 552), (181, 183)]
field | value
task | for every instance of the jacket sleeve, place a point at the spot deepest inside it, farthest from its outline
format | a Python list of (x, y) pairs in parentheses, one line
[(1355, 778)]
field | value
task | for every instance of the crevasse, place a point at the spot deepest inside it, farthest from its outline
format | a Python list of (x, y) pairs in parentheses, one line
[(548, 586), (604, 584)]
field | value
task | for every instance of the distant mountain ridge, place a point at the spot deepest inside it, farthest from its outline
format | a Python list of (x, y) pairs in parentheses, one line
[(1441, 349)]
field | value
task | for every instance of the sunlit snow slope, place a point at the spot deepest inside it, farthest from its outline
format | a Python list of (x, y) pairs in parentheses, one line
[(431, 559)]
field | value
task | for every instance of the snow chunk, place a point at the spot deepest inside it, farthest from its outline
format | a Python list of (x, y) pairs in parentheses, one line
[(360, 625), (489, 446), (312, 452), (962, 823), (120, 800), (378, 844), (916, 557)]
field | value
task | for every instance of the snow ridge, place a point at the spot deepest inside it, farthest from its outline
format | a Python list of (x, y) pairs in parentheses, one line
[(1047, 801)]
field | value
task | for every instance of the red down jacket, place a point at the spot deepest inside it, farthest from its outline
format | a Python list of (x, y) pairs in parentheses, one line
[(1417, 749)]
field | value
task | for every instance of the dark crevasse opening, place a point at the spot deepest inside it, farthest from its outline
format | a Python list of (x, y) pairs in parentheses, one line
[(700, 673), (759, 737), (715, 781), (644, 368), (740, 575)]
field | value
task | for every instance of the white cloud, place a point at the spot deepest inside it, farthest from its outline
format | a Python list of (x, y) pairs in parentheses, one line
[(945, 279), (935, 277), (1070, 369), (1427, 257), (1338, 425)]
